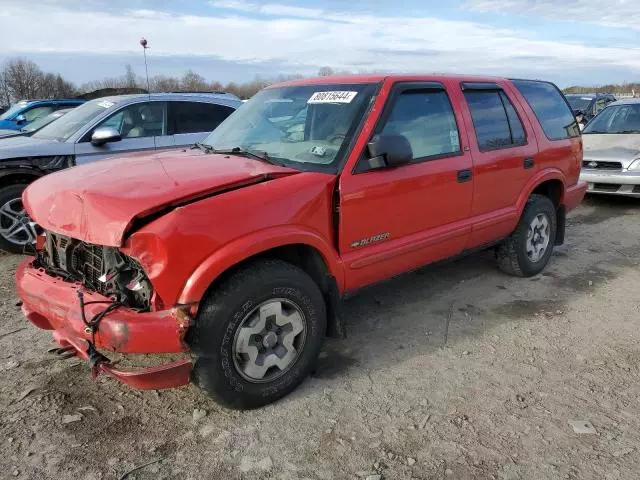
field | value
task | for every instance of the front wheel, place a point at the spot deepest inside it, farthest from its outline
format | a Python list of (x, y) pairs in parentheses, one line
[(258, 334), (16, 230), (528, 249)]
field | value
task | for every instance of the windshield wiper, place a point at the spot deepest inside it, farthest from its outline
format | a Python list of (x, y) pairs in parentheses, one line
[(256, 154), (629, 131), (203, 147)]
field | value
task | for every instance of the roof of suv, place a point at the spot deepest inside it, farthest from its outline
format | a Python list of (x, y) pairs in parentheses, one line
[(590, 95), (374, 78)]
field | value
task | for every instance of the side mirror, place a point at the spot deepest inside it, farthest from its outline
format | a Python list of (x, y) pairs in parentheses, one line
[(20, 119), (389, 150), (104, 135)]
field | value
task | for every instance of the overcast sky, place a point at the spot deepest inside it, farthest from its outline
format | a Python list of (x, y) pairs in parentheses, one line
[(570, 41)]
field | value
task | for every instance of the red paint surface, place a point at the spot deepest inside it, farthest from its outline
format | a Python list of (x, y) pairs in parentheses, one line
[(428, 215)]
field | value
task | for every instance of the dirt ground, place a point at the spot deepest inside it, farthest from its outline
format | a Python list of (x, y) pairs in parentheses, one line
[(455, 371)]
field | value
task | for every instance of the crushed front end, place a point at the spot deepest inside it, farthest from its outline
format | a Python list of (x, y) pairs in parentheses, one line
[(97, 299)]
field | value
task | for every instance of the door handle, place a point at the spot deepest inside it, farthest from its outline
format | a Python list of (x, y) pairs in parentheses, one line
[(528, 163), (464, 175)]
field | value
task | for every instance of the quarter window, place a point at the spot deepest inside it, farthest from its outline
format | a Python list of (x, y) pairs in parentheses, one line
[(550, 108), (495, 120), (426, 119)]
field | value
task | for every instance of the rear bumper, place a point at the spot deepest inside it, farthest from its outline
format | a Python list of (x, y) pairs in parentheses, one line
[(573, 195), (53, 304)]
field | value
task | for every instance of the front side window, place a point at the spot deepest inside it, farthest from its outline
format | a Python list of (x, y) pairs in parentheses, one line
[(427, 120), (616, 119), (197, 117), (308, 127), (495, 120), (551, 109), (37, 112), (138, 120)]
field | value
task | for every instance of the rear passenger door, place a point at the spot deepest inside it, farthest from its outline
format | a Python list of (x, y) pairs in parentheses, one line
[(191, 122), (504, 157)]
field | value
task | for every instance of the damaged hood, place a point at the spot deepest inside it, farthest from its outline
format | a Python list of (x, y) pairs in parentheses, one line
[(97, 203)]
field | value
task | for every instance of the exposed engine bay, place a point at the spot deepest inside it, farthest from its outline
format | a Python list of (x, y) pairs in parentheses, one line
[(104, 270)]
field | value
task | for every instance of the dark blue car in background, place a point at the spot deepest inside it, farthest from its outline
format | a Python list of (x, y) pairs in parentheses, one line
[(26, 111)]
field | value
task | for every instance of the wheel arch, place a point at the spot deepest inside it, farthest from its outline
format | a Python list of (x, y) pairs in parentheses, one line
[(12, 176), (551, 184), (305, 250)]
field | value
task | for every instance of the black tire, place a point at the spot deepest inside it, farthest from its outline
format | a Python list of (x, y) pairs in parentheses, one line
[(8, 193), (512, 255), (222, 313)]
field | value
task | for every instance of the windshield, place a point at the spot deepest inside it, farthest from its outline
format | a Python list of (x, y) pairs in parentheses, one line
[(306, 127), (579, 103), (616, 119), (12, 110), (42, 121), (73, 121)]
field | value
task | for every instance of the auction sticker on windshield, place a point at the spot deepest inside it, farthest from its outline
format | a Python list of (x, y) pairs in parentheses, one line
[(332, 97), (106, 104)]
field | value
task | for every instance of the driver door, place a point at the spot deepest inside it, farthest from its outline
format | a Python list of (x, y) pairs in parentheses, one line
[(395, 219), (142, 126)]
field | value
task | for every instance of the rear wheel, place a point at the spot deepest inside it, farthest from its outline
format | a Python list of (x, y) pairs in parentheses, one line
[(258, 334), (16, 230), (527, 250)]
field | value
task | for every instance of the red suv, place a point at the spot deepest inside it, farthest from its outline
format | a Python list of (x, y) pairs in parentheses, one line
[(238, 251)]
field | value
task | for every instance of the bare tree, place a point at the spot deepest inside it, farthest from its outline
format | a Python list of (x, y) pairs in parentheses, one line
[(325, 72), (193, 82), (23, 78), (130, 79), (160, 83)]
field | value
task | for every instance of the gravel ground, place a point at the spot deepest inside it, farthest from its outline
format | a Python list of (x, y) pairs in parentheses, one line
[(455, 371)]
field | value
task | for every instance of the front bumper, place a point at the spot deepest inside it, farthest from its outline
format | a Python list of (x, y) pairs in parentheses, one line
[(612, 182), (53, 304)]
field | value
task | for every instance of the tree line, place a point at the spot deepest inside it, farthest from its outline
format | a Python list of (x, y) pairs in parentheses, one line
[(21, 78), (623, 88)]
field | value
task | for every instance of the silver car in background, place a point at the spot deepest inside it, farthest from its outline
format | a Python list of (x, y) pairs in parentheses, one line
[(611, 163), (98, 130)]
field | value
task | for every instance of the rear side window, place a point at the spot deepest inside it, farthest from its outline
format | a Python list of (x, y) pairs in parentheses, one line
[(426, 119), (495, 120), (197, 117), (550, 107)]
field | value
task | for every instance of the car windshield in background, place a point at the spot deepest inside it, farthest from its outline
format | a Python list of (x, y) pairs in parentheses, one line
[(616, 119), (42, 121), (307, 127), (579, 103), (70, 123)]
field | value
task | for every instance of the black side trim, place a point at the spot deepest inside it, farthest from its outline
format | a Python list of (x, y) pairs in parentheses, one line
[(480, 86)]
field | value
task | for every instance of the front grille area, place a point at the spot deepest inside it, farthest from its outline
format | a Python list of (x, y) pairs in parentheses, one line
[(100, 269), (596, 165), (606, 187), (89, 260)]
